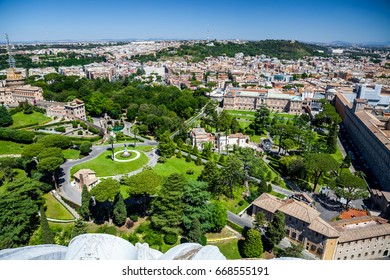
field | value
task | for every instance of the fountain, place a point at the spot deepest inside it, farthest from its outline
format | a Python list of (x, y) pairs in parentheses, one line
[(126, 152)]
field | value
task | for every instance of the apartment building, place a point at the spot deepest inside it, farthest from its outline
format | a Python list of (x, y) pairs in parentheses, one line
[(70, 110), (357, 238)]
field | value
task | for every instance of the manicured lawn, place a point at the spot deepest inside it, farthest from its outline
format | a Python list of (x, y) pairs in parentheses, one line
[(243, 123), (8, 147), (232, 204), (256, 138), (56, 210), (21, 119), (229, 249), (178, 165), (104, 166), (277, 194), (71, 154), (286, 116), (241, 112), (215, 237)]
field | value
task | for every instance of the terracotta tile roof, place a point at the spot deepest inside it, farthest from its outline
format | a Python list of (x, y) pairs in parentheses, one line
[(320, 226), (300, 211), (268, 202)]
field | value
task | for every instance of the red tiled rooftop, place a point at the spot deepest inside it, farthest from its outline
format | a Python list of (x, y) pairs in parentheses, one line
[(352, 213)]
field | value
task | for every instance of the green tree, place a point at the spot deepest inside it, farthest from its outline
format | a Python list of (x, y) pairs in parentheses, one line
[(331, 139), (232, 174), (259, 220), (284, 131), (261, 121), (111, 141), (195, 233), (166, 146), (50, 165), (144, 183), (350, 187), (188, 157), (253, 246), (47, 235), (218, 218), (320, 164), (276, 229), (167, 208), (119, 212), (79, 228), (224, 121), (50, 152), (198, 161), (294, 251), (179, 154), (196, 205), (84, 210), (32, 150), (212, 175), (5, 117), (106, 190), (85, 148)]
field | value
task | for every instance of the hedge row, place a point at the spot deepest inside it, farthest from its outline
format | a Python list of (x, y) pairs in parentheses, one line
[(18, 136), (235, 227)]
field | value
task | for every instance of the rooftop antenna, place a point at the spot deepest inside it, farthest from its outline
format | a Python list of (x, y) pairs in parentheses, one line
[(208, 33), (11, 59)]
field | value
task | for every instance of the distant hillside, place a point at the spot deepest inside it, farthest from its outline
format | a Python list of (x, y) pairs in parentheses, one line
[(273, 48)]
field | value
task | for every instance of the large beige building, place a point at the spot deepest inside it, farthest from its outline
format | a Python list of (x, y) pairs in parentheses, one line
[(240, 99), (365, 237), (15, 91), (72, 110), (370, 135)]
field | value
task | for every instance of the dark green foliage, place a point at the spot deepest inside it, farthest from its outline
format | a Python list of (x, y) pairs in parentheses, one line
[(5, 117), (49, 152), (262, 120), (84, 210), (47, 235), (49, 164), (212, 175), (179, 155), (294, 251), (195, 200), (134, 218), (188, 157), (195, 233), (153, 238), (54, 140), (320, 164), (218, 217), (119, 212), (166, 146), (171, 238), (190, 171), (350, 187), (60, 129), (198, 161), (162, 160), (85, 148), (106, 190), (144, 183), (18, 136), (293, 166), (107, 229), (167, 208), (276, 229), (331, 139), (232, 174), (253, 246), (79, 228), (133, 238), (259, 219)]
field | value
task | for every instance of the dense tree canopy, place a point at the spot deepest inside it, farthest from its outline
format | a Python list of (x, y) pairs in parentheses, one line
[(5, 117), (276, 229), (144, 183), (320, 164), (106, 190), (253, 246)]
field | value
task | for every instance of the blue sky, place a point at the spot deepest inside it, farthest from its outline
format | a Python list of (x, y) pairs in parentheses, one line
[(319, 21)]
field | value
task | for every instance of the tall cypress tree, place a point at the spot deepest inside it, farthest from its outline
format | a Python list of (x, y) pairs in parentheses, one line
[(84, 210), (78, 228), (253, 246), (276, 229), (195, 233), (47, 235), (167, 208), (120, 212), (5, 117)]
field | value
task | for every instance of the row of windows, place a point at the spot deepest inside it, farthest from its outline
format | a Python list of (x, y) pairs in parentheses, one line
[(385, 254)]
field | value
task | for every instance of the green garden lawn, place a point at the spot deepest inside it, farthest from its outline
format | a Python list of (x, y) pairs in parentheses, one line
[(55, 209), (178, 165), (21, 119), (229, 248), (8, 147), (71, 154), (104, 166)]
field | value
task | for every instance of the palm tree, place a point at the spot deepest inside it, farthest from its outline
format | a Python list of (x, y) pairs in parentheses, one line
[(135, 131), (111, 140)]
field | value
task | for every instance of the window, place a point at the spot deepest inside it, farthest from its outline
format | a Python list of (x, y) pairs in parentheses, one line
[(373, 252), (345, 257), (313, 247), (359, 255), (352, 256), (365, 254)]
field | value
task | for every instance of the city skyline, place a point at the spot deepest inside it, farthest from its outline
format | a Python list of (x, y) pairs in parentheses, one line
[(350, 21)]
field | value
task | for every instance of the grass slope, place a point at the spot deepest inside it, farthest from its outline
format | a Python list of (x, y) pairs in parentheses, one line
[(55, 210), (8, 147), (21, 119), (178, 165)]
